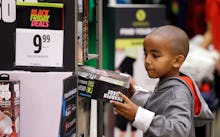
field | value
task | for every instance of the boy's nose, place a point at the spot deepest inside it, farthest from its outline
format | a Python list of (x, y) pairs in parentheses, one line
[(147, 60)]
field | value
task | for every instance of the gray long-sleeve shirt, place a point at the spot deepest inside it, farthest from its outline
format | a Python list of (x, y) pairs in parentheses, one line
[(168, 112)]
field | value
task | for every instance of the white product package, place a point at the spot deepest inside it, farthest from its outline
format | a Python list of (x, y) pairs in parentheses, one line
[(200, 62)]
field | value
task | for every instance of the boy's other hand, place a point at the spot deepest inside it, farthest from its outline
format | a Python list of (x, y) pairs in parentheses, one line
[(127, 109)]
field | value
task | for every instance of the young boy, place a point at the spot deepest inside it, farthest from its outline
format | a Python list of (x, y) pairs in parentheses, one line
[(169, 111)]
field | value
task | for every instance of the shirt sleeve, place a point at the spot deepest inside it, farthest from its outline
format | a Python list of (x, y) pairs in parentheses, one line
[(143, 119), (140, 96)]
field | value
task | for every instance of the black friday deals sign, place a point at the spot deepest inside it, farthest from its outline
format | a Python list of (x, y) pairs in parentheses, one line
[(39, 34)]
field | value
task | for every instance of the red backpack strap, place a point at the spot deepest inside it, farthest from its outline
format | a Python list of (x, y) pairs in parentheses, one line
[(197, 102)]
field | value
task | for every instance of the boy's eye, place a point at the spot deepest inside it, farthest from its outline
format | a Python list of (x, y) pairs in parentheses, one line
[(155, 55)]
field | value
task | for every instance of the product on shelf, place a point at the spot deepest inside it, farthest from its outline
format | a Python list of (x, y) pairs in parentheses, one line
[(68, 115), (9, 107), (102, 84)]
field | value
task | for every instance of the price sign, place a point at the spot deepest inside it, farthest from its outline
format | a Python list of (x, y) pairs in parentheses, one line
[(39, 34), (37, 47)]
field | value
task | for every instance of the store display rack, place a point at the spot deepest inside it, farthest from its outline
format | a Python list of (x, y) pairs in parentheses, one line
[(42, 87)]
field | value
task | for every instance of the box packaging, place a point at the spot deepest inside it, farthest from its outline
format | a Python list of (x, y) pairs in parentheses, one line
[(10, 107), (68, 115), (101, 84)]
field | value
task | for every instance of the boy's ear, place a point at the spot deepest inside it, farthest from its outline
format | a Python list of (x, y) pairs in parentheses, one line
[(178, 61)]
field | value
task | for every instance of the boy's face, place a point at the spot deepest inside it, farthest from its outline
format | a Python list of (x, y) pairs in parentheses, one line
[(158, 59)]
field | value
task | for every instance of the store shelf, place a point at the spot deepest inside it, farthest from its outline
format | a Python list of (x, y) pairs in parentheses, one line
[(96, 111)]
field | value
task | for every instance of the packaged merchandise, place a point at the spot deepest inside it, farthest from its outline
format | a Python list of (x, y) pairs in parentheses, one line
[(9, 107), (68, 115), (102, 84)]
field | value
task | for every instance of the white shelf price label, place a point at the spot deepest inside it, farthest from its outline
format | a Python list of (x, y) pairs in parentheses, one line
[(37, 47)]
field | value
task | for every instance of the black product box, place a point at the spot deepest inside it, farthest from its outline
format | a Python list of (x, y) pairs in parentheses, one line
[(101, 84), (10, 107), (68, 115)]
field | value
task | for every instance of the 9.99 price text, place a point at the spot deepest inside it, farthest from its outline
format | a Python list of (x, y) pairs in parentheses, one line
[(40, 42)]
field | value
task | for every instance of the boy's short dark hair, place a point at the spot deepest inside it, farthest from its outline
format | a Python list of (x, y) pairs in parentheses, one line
[(179, 41)]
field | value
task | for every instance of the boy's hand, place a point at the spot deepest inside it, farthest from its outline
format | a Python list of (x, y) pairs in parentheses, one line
[(127, 109), (131, 91)]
